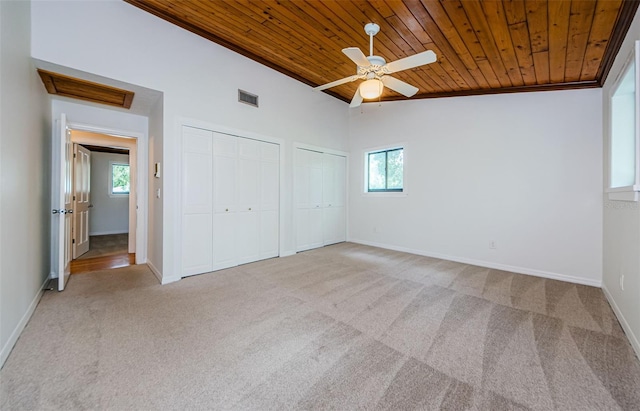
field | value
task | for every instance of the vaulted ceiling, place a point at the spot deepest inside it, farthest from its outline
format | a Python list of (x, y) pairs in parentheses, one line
[(489, 46)]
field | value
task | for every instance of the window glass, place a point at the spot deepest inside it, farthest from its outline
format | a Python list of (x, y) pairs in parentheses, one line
[(394, 169), (385, 170), (377, 171), (119, 178)]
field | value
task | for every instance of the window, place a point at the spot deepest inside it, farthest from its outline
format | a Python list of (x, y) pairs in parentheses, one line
[(385, 170), (119, 179), (623, 148)]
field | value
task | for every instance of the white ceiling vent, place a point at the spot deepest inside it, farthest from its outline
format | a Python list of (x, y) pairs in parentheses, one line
[(247, 98)]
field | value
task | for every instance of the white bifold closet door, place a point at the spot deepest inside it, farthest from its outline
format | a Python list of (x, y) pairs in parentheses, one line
[(319, 196), (333, 199), (231, 191)]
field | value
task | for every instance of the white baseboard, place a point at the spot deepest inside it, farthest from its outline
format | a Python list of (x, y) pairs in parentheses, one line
[(487, 264), (155, 271), (633, 339), (8, 346), (287, 253), (169, 280), (109, 232)]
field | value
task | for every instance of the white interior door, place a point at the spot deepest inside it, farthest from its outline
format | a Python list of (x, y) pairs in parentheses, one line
[(269, 199), (319, 198), (248, 189), (225, 166), (197, 201), (334, 183), (63, 208), (81, 193)]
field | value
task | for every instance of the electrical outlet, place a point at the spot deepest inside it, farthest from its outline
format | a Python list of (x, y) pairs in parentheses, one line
[(492, 244), (622, 282)]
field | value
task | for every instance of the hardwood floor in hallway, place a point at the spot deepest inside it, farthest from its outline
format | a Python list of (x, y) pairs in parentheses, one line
[(87, 265)]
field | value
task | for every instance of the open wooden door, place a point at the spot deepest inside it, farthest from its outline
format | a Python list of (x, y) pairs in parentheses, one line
[(81, 205), (63, 149)]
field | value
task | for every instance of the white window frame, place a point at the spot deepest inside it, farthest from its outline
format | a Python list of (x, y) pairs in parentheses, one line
[(365, 168), (110, 186), (631, 192)]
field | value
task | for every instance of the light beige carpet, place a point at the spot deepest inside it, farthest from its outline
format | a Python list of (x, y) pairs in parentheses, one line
[(103, 245), (343, 327)]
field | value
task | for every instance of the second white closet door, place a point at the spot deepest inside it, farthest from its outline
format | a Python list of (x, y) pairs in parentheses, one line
[(319, 195), (225, 164), (248, 183), (269, 200)]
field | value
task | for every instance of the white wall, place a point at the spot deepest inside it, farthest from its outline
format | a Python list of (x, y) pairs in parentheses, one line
[(109, 214), (523, 170), (25, 214), (199, 80), (621, 222)]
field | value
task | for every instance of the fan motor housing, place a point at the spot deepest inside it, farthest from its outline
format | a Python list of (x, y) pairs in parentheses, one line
[(376, 60)]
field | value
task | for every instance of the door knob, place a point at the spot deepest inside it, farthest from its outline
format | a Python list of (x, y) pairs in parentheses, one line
[(90, 206)]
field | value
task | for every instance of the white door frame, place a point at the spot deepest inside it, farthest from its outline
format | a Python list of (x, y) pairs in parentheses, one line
[(142, 181), (83, 137), (138, 210)]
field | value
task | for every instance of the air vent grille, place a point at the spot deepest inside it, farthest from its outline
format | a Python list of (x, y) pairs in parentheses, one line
[(247, 98)]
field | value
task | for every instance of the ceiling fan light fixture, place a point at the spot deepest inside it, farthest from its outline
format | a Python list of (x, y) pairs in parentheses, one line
[(371, 89)]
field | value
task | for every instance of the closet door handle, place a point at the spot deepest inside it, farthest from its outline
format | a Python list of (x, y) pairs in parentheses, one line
[(226, 209)]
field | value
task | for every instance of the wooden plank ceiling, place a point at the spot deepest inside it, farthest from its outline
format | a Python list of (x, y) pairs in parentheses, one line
[(483, 47)]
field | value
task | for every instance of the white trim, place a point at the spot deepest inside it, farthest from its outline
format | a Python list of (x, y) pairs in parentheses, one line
[(628, 193), (204, 125), (623, 196), (142, 181), (320, 149), (487, 264), (365, 171), (635, 187), (155, 271), (287, 253), (108, 232), (633, 339), (13, 338)]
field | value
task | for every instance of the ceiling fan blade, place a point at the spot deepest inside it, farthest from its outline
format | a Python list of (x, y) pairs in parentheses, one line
[(420, 59), (336, 83), (357, 99), (400, 86), (357, 56)]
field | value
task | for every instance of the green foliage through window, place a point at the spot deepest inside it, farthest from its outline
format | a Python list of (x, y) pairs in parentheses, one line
[(119, 178), (385, 170)]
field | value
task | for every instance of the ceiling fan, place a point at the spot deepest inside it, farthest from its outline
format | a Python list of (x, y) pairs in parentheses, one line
[(375, 71)]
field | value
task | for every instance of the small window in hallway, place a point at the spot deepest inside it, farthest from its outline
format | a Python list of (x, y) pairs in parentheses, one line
[(119, 179)]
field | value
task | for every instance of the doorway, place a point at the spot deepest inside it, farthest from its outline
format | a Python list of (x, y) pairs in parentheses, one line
[(104, 201)]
